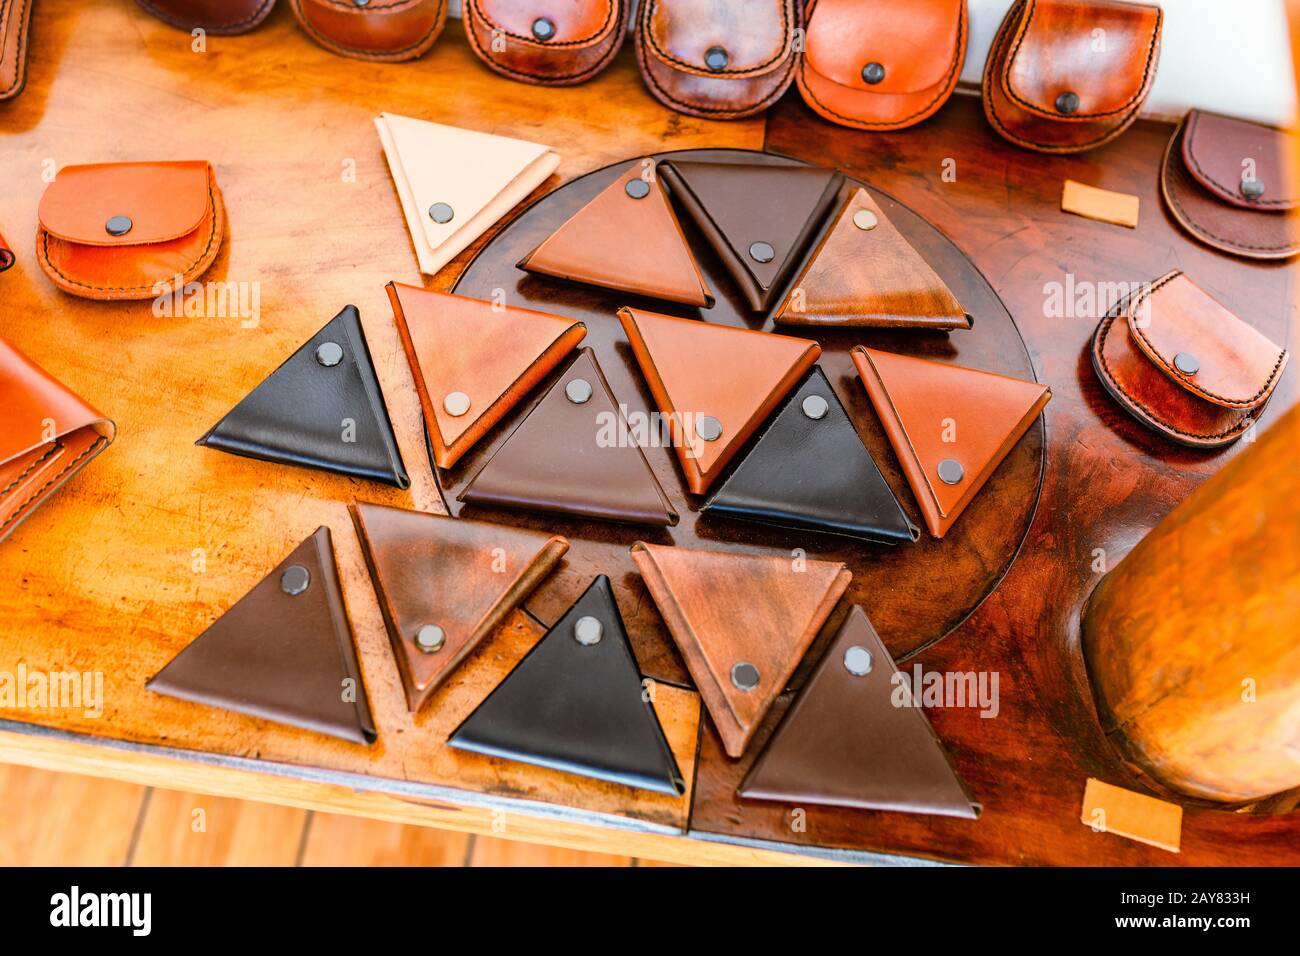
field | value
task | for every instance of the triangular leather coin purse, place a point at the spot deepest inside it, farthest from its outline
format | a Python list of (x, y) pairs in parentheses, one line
[(808, 469), (445, 584), (864, 273), (628, 239), (714, 384), (759, 218), (284, 652), (949, 426), (473, 362), (573, 454), (576, 703), (856, 737), (322, 409), (742, 623), (454, 183)]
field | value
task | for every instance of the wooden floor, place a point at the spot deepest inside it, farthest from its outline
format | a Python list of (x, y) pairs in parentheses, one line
[(58, 819)]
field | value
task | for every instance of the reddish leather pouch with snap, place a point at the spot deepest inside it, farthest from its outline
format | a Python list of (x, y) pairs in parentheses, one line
[(1064, 76), (218, 17), (882, 65), (15, 18), (388, 30), (1183, 365), (129, 230), (548, 42)]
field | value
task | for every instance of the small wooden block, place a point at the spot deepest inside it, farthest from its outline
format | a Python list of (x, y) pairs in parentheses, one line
[(1100, 204), (1112, 809)]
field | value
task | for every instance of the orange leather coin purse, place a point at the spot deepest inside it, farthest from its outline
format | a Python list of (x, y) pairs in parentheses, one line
[(129, 230), (390, 31)]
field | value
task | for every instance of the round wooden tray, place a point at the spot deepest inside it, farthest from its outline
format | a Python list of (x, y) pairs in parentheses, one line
[(914, 593)]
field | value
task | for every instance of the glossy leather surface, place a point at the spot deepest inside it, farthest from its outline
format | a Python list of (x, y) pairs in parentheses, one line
[(512, 350), (390, 31), (574, 458), (919, 44), (933, 412), (627, 244), (869, 278), (461, 576), (1046, 49), (726, 610), (15, 20), (737, 205), (692, 372), (177, 224), (284, 657), (575, 707), (845, 742), (813, 474), (587, 35), (297, 415), (218, 17)]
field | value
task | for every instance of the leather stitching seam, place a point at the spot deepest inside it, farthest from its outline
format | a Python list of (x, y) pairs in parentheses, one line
[(40, 492), (54, 450)]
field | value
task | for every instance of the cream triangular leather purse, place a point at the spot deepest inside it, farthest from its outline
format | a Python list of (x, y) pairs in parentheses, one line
[(454, 183)]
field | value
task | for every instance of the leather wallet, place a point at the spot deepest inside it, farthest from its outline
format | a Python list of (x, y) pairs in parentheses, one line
[(391, 31), (46, 435), (846, 741), (444, 584), (627, 239), (129, 230), (742, 623), (454, 184), (283, 652), (809, 470), (882, 65), (1183, 365), (573, 454), (548, 42), (1065, 76), (949, 426), (864, 273), (712, 402), (575, 703), (322, 408), (15, 20), (467, 383), (1228, 182), (759, 218), (218, 17), (6, 255), (715, 58)]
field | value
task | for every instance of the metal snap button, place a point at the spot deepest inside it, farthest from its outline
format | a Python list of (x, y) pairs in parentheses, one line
[(1252, 188), (1067, 102), (637, 188), (1187, 363), (865, 219), (430, 638), (441, 213), (857, 661), (329, 354), (873, 73), (762, 252), (118, 225), (543, 29), (744, 676), (815, 407), (708, 428), (361, 3), (295, 580), (716, 59), (456, 404), (578, 391), (588, 631), (950, 471)]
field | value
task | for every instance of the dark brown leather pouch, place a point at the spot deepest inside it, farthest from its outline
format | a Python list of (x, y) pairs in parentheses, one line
[(1183, 365), (15, 17), (1064, 76), (1226, 182), (717, 59), (218, 17), (548, 42), (385, 30)]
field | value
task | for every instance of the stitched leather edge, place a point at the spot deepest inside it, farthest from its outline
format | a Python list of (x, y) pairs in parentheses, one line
[(1191, 122), (55, 447), (645, 36), (20, 60), (40, 493), (229, 28), (411, 52), (545, 79), (476, 12)]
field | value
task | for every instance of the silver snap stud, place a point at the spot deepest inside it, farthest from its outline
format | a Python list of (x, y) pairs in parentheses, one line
[(361, 3), (1252, 188), (578, 391), (118, 225), (1067, 102), (716, 59), (1187, 363), (588, 631), (873, 73), (543, 29), (857, 661), (762, 252), (430, 638), (866, 220), (441, 212), (815, 407), (744, 676), (329, 354), (637, 188), (708, 428), (950, 471), (456, 404), (295, 580)]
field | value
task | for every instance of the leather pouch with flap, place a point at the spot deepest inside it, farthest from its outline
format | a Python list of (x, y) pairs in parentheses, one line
[(389, 30), (219, 17), (715, 58), (882, 65), (1226, 182), (1185, 366), (1064, 76), (46, 435), (15, 17), (129, 230), (548, 42)]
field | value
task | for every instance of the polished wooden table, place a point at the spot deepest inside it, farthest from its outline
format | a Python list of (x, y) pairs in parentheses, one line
[(136, 555)]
